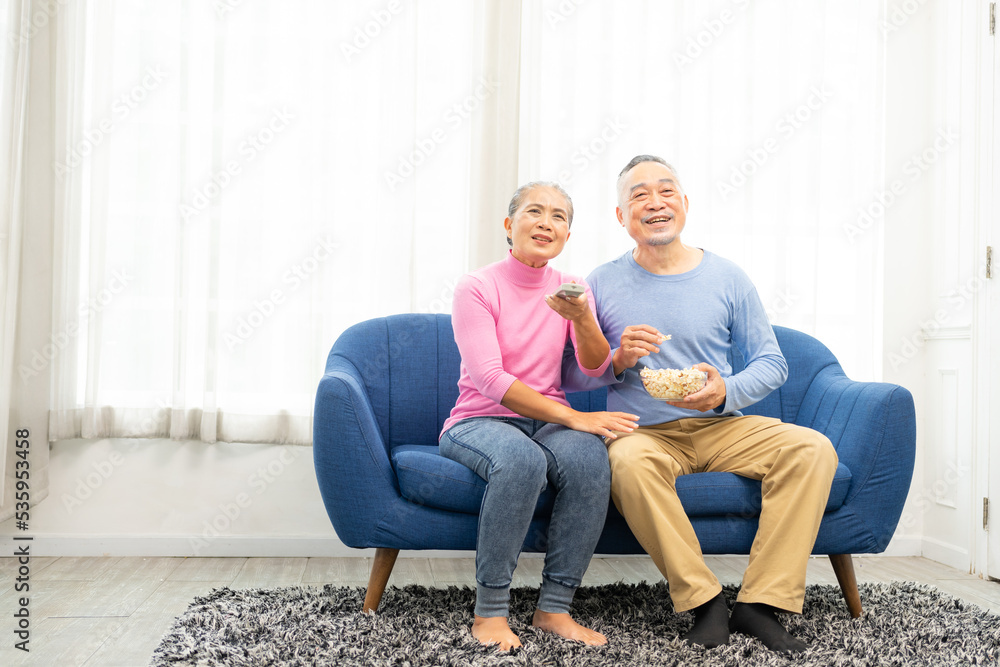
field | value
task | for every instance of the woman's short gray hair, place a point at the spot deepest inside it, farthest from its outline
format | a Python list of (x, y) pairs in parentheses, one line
[(522, 192)]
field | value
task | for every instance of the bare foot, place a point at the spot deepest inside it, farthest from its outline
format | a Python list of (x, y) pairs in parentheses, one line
[(494, 630), (564, 626)]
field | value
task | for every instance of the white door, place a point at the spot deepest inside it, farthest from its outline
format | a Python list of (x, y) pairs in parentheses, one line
[(988, 398)]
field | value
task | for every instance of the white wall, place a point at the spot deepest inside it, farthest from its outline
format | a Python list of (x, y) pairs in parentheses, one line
[(126, 497), (931, 266)]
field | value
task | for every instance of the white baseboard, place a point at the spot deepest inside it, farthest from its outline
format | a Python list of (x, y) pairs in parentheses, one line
[(947, 554)]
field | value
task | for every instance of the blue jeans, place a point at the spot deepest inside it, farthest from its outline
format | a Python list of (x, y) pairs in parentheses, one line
[(517, 456)]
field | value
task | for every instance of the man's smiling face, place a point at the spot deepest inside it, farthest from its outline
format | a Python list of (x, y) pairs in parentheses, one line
[(651, 205)]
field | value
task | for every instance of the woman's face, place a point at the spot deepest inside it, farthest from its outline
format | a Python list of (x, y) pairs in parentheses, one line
[(540, 226)]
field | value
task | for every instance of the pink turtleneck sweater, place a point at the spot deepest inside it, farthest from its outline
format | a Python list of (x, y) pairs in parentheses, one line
[(505, 331)]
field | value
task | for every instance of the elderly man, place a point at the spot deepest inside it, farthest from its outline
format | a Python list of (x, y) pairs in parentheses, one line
[(706, 304)]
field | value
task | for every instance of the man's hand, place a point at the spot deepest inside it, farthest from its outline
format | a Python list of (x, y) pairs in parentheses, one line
[(573, 308), (711, 396), (637, 341)]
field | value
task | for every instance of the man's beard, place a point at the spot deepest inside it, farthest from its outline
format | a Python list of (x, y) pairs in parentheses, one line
[(660, 239)]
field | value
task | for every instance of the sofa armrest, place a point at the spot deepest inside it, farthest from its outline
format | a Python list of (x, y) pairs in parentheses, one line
[(872, 425), (356, 479)]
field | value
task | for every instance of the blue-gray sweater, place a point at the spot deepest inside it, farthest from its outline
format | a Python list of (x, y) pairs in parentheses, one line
[(705, 311)]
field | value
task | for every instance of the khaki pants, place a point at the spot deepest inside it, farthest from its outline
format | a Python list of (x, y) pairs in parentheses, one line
[(795, 465)]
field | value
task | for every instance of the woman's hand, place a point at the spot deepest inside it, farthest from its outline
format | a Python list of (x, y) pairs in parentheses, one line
[(527, 402), (573, 308), (603, 424), (591, 345)]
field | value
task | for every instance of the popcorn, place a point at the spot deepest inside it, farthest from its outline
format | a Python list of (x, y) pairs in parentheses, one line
[(671, 384), (663, 337)]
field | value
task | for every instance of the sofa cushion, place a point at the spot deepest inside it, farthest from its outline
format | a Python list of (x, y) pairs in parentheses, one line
[(427, 478), (728, 494)]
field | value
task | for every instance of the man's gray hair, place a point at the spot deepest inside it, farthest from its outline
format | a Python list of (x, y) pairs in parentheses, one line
[(522, 192), (639, 159)]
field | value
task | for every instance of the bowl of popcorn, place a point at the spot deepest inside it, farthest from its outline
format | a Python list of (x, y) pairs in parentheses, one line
[(672, 384)]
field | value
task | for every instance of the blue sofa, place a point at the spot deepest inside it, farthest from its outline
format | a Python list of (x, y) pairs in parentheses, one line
[(391, 382)]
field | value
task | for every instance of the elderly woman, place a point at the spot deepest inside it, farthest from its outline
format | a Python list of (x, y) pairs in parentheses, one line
[(513, 426)]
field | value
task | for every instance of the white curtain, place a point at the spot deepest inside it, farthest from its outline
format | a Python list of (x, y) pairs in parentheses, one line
[(14, 69), (238, 182), (770, 111)]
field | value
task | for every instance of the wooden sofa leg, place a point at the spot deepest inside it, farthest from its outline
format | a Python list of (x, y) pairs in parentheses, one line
[(381, 569), (843, 567)]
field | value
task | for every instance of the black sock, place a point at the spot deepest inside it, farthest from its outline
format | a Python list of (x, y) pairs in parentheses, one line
[(759, 620), (711, 624)]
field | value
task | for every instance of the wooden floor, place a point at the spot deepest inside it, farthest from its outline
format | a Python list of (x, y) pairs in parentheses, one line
[(106, 612)]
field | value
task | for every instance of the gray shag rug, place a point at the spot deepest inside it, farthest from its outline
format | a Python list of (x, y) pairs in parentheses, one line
[(903, 624)]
